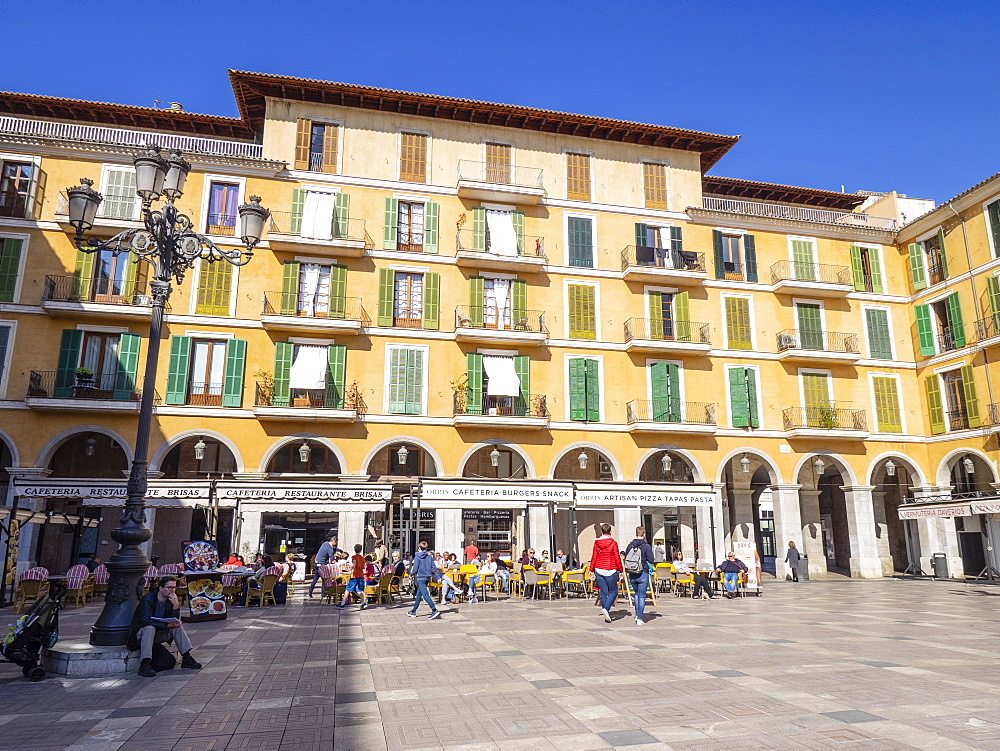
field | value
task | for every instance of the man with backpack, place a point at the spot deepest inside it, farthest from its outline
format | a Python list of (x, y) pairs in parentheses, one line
[(638, 561)]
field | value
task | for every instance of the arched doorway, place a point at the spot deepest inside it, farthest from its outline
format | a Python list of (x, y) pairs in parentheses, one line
[(893, 479), (584, 464), (676, 527), (402, 459), (304, 457), (749, 506), (198, 458), (666, 466), (495, 462), (971, 477), (823, 509), (93, 455)]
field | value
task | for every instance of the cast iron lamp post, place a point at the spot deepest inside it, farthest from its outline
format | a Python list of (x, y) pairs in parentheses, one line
[(169, 244)]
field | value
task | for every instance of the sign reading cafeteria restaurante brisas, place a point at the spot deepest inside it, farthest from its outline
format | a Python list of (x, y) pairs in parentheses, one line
[(199, 490)]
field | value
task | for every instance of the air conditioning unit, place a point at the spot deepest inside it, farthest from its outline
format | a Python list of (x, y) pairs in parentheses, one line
[(141, 300), (492, 411)]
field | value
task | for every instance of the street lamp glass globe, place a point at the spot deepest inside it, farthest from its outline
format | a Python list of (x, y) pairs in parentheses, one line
[(89, 445), (745, 464), (666, 461), (890, 468), (150, 171), (401, 455), (177, 172), (583, 459), (970, 466), (199, 449), (83, 203), (495, 457), (819, 465), (252, 218), (304, 452)]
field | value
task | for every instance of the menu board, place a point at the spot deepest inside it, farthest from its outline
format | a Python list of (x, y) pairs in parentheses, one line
[(200, 555), (13, 538), (206, 600)]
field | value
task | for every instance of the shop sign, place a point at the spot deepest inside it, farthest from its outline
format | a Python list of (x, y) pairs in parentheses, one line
[(112, 492), (283, 492), (491, 514), (986, 507), (638, 495), (935, 512), (515, 492)]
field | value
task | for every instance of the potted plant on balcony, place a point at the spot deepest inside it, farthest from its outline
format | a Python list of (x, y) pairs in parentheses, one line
[(828, 417), (85, 388)]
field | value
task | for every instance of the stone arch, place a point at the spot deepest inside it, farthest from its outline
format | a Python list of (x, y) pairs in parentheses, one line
[(15, 459), (943, 474), (529, 465), (911, 466), (49, 449), (438, 464), (766, 462), (582, 445), (160, 454), (697, 470), (830, 457), (297, 438)]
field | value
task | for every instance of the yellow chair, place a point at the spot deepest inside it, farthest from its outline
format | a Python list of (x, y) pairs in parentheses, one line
[(265, 592), (28, 591), (79, 593), (663, 576), (683, 584), (334, 591), (577, 580)]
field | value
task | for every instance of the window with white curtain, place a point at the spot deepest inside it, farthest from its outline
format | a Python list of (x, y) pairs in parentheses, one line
[(314, 289)]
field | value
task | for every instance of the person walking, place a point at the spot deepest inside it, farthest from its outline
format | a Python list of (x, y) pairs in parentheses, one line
[(637, 567), (422, 571), (356, 582), (606, 563), (381, 554), (324, 555), (792, 559)]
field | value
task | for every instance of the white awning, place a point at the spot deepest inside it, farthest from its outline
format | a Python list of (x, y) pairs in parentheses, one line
[(503, 380), (317, 215), (986, 507), (308, 371), (920, 511), (503, 238)]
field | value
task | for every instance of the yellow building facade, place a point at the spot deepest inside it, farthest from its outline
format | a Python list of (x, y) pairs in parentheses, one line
[(455, 293)]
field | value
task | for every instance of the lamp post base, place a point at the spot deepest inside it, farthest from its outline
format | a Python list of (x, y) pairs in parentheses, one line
[(125, 586)]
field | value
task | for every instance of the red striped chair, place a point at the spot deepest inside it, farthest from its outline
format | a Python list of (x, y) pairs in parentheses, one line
[(79, 585), (101, 577), (31, 585)]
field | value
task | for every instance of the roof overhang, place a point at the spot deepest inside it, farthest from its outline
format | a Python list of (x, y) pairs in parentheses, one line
[(752, 190)]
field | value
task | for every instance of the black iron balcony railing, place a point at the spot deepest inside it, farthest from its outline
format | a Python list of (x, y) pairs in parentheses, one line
[(329, 398), (671, 410), (811, 272), (988, 328), (97, 289), (119, 204), (222, 225), (15, 205), (946, 341), (56, 384), (935, 271), (497, 318), (733, 271), (527, 246), (499, 174), (662, 330), (662, 258), (288, 223), (958, 420), (824, 417), (823, 341), (312, 306), (525, 405)]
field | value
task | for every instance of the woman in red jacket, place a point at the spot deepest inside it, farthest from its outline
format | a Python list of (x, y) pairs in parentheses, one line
[(606, 563)]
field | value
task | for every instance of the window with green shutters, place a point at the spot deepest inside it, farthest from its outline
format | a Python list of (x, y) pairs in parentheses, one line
[(959, 398), (991, 307), (743, 407), (331, 396), (804, 260), (738, 331), (665, 388), (866, 266), (69, 360), (215, 285), (925, 330), (339, 227), (406, 381), (887, 413), (584, 390), (205, 372), (580, 236), (810, 325), (582, 300), (127, 367), (993, 215), (409, 300), (879, 339), (10, 263)]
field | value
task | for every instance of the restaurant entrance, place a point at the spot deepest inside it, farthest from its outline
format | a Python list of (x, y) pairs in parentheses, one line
[(301, 533), (425, 526), (492, 530)]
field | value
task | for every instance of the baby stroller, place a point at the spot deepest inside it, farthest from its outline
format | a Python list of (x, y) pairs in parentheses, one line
[(37, 628)]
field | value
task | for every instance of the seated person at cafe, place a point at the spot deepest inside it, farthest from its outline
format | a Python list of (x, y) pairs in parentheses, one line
[(93, 562), (488, 567), (145, 632), (372, 574), (254, 582), (561, 558), (448, 587), (731, 569), (528, 558), (395, 567), (503, 574), (701, 584)]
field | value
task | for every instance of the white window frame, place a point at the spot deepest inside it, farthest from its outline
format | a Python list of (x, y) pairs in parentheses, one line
[(399, 153), (650, 361), (339, 124), (791, 251), (105, 169), (19, 281), (206, 194), (942, 297), (597, 307), (387, 374), (600, 384), (989, 229), (818, 371), (864, 324), (729, 397), (922, 240), (899, 398), (34, 160), (193, 294), (593, 237), (11, 325), (642, 182), (753, 321), (590, 168)]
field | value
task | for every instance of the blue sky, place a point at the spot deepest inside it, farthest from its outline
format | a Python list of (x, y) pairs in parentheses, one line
[(874, 95)]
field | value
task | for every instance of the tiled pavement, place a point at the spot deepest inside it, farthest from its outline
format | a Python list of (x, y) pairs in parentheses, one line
[(819, 665)]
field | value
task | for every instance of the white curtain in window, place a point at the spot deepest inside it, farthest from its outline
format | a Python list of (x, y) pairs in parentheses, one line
[(308, 288), (317, 215), (496, 303), (503, 380), (308, 369), (503, 238)]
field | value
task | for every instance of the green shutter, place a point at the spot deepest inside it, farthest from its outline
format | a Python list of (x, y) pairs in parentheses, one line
[(341, 215), (432, 225), (479, 229), (875, 269), (887, 412), (232, 387), (676, 241), (993, 210), (517, 219), (682, 317), (720, 262), (338, 291), (414, 381), (925, 331), (751, 386), (177, 370), (128, 366), (993, 294), (69, 360), (473, 383), (803, 259), (519, 295), (289, 288), (386, 291), (336, 371), (476, 301), (593, 391), (879, 343), (84, 276), (581, 241), (971, 401), (665, 390), (944, 253), (655, 315), (397, 381), (640, 235), (750, 257), (284, 354), (743, 397), (935, 408), (858, 269), (298, 206), (810, 326), (577, 389), (522, 367), (955, 320), (432, 300), (390, 231), (918, 272)]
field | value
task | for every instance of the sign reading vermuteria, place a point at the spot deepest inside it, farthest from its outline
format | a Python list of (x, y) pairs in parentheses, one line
[(934, 512)]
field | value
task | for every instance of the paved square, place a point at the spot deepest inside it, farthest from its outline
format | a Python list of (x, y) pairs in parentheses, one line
[(817, 665)]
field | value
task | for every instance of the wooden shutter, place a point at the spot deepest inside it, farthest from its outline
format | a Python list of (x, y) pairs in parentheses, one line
[(803, 260), (918, 272), (414, 381), (810, 326), (397, 381), (993, 211), (577, 389), (413, 157), (519, 295), (879, 342), (582, 312), (390, 224), (303, 135), (37, 191), (750, 257), (336, 371), (935, 407), (577, 177), (342, 215), (232, 387), (581, 241), (522, 367), (676, 246), (887, 413), (943, 253), (473, 383), (83, 276), (69, 360), (752, 410), (593, 392), (479, 229), (177, 370), (875, 269), (816, 392), (858, 269), (289, 288), (718, 255), (386, 291), (654, 180), (298, 206), (338, 291), (331, 138), (284, 354), (432, 233), (476, 301), (517, 219), (655, 330), (640, 234), (665, 390), (955, 320), (128, 365), (993, 295), (432, 300), (214, 288), (682, 317), (131, 275), (971, 400), (738, 323), (925, 331), (743, 397)]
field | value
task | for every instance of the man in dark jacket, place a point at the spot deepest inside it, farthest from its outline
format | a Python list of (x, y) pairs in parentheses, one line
[(639, 580), (145, 631), (731, 568), (422, 571), (324, 555)]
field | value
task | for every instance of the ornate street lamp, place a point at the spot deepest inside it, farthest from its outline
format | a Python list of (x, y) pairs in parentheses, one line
[(401, 455), (745, 465), (169, 244), (969, 465), (199, 449), (89, 445), (890, 468), (304, 452), (495, 457), (583, 459), (666, 462), (819, 465)]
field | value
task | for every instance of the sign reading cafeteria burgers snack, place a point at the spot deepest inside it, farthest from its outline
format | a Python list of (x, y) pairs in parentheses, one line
[(206, 599)]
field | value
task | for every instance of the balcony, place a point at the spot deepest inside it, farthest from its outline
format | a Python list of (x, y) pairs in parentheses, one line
[(504, 183), (492, 325), (345, 238), (669, 416), (825, 422), (946, 341), (526, 411), (308, 405), (783, 212), (813, 279), (657, 335), (474, 249), (988, 331), (96, 298), (108, 393), (18, 205), (285, 311), (818, 346), (663, 265)]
